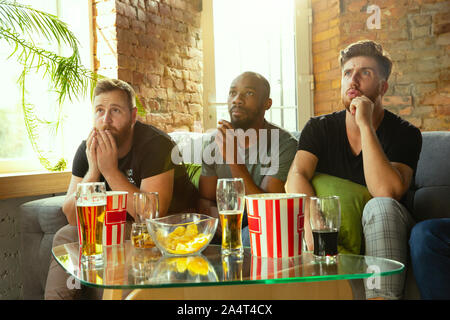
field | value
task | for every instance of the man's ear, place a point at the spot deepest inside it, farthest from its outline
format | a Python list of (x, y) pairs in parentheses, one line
[(133, 115), (267, 104), (384, 87)]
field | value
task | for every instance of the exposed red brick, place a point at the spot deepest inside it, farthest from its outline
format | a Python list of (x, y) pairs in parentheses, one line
[(136, 40), (397, 100)]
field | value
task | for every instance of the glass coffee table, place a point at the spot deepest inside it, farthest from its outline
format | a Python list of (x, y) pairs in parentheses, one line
[(149, 275)]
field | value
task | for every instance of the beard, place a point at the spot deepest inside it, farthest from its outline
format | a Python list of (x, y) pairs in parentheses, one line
[(373, 95), (245, 122), (120, 135)]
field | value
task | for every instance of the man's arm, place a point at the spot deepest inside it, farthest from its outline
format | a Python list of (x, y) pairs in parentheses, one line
[(207, 203), (207, 187), (161, 183), (92, 175), (383, 178), (298, 181), (69, 203), (268, 185), (68, 206)]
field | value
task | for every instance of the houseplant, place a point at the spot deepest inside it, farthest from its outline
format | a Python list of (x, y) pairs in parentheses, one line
[(19, 24)]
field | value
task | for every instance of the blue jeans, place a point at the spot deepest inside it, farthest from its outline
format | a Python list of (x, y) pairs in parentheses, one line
[(430, 257)]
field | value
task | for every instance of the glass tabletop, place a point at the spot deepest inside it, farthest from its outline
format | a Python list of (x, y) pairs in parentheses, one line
[(125, 267)]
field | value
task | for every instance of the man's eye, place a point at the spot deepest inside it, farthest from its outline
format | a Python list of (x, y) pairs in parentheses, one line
[(116, 110), (99, 111), (232, 93), (366, 72), (250, 93)]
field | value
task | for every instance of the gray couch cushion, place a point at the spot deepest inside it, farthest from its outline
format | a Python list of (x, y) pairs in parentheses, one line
[(432, 180), (40, 219), (433, 168), (432, 202)]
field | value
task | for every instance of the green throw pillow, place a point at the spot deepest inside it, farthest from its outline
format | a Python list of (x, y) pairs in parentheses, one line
[(194, 171), (353, 197)]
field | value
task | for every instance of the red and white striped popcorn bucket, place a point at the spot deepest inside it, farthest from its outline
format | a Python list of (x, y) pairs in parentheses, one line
[(275, 222), (115, 218), (272, 268)]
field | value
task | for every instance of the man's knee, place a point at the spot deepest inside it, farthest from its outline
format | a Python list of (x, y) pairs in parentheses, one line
[(386, 209), (66, 234), (380, 204)]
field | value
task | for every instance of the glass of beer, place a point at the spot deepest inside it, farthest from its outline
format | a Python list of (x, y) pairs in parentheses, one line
[(230, 204), (146, 206), (325, 220), (91, 207)]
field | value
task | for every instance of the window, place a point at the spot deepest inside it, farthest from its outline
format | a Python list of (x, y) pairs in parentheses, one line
[(262, 36), (16, 153)]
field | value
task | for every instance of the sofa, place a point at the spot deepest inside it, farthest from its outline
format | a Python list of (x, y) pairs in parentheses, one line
[(429, 197)]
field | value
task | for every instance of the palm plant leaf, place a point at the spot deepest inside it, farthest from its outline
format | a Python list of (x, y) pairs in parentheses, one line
[(27, 20), (67, 75)]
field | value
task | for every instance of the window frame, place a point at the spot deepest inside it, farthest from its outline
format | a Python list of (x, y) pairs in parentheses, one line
[(32, 164), (304, 66)]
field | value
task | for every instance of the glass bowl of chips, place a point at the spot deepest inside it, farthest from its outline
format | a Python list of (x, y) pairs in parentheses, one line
[(182, 234)]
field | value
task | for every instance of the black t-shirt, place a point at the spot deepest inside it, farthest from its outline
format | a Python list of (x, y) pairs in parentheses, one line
[(326, 137), (150, 155)]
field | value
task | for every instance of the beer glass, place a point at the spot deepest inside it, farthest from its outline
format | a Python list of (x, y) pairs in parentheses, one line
[(146, 206), (325, 220), (230, 204), (91, 208)]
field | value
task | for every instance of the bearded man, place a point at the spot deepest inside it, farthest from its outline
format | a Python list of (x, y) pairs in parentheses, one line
[(128, 156), (368, 145), (248, 147)]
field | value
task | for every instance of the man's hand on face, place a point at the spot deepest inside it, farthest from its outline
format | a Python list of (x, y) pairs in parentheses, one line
[(91, 152), (223, 140), (361, 108), (106, 152)]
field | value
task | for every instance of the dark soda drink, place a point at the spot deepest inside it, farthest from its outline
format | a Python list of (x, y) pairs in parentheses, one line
[(325, 242)]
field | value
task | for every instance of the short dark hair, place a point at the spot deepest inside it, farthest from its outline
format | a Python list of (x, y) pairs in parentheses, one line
[(368, 48), (107, 85), (262, 79)]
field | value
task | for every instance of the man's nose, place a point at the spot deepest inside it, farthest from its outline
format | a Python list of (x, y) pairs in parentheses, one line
[(237, 99), (355, 78), (107, 116)]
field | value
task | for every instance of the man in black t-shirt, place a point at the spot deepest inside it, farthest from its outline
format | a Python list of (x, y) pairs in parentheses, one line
[(149, 156), (128, 156), (368, 145)]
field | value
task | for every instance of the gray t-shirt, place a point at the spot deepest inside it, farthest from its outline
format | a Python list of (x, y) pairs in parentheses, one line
[(271, 156)]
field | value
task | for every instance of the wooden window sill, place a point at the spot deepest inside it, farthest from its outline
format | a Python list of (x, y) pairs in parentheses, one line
[(18, 185)]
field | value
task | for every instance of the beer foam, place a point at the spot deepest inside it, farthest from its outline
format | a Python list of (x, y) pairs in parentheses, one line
[(230, 212), (91, 204), (114, 193)]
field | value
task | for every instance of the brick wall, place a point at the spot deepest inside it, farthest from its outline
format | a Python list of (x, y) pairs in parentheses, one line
[(155, 45), (417, 35)]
